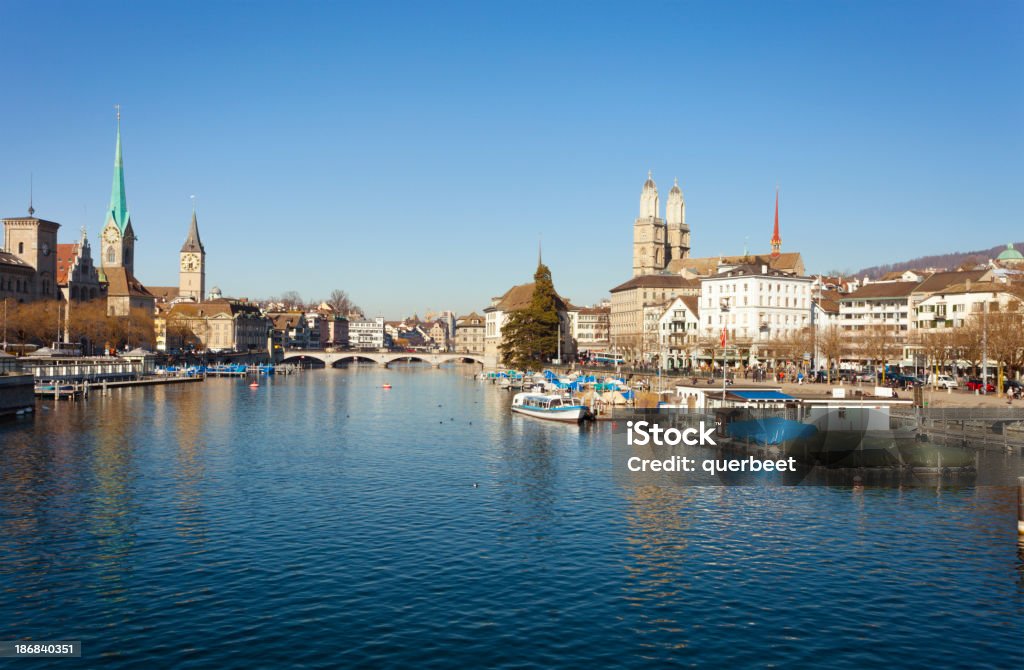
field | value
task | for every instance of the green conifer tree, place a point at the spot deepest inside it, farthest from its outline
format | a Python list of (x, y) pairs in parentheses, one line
[(530, 334)]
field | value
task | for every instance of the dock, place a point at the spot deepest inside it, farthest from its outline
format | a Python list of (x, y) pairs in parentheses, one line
[(80, 390)]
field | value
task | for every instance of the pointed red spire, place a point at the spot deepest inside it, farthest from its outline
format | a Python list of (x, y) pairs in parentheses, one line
[(776, 239)]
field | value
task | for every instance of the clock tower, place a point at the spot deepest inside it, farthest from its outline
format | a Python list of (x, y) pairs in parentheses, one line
[(192, 268)]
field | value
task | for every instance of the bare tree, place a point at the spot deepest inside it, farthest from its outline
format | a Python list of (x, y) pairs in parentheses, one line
[(833, 347), (879, 343), (1006, 337), (340, 302), (291, 300)]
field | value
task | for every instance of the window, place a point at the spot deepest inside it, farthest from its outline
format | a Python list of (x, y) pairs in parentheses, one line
[(21, 247), (110, 255)]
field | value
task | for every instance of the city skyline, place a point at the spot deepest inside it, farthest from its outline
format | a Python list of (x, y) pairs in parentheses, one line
[(358, 151)]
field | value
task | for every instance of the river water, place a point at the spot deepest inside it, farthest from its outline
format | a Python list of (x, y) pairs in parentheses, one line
[(323, 521)]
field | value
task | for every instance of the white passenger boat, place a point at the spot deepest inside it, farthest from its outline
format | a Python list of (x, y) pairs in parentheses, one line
[(552, 407)]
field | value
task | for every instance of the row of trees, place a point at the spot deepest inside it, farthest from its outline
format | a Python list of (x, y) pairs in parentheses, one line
[(877, 345), (338, 300), (45, 321)]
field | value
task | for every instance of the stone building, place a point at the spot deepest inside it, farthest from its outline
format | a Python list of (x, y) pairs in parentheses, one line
[(29, 242)]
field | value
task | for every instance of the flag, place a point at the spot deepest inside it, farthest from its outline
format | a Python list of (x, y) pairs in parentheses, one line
[(723, 337)]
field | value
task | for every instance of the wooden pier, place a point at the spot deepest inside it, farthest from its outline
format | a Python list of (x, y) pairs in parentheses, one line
[(80, 390)]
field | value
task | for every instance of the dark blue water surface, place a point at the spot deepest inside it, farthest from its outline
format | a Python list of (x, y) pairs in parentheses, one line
[(321, 521)]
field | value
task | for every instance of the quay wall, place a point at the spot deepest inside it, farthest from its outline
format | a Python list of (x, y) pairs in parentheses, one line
[(16, 393)]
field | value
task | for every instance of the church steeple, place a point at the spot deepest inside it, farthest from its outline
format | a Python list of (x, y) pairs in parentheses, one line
[(192, 242), (776, 239), (118, 199)]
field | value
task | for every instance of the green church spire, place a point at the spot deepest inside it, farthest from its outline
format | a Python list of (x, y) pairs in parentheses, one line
[(118, 199)]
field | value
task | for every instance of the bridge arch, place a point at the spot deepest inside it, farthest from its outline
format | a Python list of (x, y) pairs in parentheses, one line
[(330, 359)]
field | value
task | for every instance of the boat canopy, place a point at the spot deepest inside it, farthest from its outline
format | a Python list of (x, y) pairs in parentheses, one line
[(762, 395)]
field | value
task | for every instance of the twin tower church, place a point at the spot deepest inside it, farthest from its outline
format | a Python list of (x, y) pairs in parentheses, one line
[(662, 245), (33, 266)]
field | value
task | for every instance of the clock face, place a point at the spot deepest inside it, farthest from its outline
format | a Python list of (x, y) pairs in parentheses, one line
[(190, 262), (46, 249), (110, 235)]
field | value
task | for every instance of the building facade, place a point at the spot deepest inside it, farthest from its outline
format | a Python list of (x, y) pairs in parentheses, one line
[(215, 326), (592, 328), (628, 302), (77, 276), (469, 334), (32, 242), (366, 334)]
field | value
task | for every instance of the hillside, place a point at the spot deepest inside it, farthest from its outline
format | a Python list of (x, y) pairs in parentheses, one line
[(950, 261)]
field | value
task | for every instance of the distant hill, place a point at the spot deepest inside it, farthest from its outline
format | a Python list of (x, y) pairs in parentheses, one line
[(949, 261)]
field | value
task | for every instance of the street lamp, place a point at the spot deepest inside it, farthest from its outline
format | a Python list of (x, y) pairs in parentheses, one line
[(723, 305)]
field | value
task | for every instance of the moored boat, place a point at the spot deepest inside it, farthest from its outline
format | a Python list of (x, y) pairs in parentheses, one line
[(550, 407)]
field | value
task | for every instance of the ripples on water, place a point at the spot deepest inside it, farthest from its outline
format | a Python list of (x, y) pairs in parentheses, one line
[(323, 521)]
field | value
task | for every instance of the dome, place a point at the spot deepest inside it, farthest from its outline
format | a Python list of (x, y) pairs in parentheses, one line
[(649, 184), (675, 188), (1010, 254), (215, 292)]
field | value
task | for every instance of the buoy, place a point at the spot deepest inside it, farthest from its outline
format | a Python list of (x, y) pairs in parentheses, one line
[(254, 385), (386, 386)]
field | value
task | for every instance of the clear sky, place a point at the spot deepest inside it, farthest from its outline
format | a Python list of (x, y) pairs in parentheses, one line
[(411, 153)]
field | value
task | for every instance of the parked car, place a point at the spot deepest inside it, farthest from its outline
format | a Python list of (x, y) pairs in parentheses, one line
[(975, 384), (943, 381)]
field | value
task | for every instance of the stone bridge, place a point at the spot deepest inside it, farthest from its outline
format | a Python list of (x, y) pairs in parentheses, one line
[(384, 359)]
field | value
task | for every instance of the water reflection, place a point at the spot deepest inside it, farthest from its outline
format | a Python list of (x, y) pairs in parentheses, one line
[(236, 520)]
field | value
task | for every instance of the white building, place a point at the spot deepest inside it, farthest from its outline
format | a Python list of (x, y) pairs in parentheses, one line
[(955, 306), (877, 305), (679, 333), (755, 305), (366, 333)]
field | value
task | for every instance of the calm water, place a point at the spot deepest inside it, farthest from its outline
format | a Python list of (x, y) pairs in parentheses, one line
[(322, 521)]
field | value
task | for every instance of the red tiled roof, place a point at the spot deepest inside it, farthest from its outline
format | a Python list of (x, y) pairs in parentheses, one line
[(66, 255)]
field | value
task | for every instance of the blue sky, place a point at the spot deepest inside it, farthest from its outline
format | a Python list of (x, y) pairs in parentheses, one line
[(411, 153)]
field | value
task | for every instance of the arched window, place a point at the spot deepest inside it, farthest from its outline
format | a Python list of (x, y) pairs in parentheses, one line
[(110, 255), (21, 247)]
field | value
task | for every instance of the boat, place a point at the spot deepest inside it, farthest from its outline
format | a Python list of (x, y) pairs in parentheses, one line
[(551, 407), (254, 385), (386, 387)]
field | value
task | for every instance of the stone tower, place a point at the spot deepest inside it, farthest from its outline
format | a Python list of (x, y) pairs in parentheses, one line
[(649, 233), (34, 241), (192, 272), (678, 231), (117, 248)]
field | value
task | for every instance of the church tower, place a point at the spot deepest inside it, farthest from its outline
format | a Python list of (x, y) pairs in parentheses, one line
[(649, 235), (776, 239), (192, 275), (118, 238), (675, 218)]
